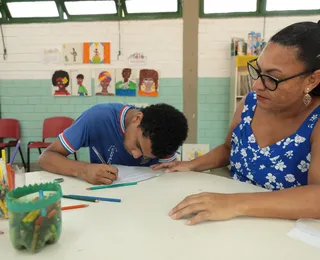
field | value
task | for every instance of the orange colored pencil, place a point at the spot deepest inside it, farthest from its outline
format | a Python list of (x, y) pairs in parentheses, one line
[(10, 177), (75, 207)]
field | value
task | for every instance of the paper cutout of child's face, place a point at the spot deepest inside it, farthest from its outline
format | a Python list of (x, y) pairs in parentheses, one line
[(148, 85), (148, 81), (79, 81), (105, 83), (126, 73), (61, 83)]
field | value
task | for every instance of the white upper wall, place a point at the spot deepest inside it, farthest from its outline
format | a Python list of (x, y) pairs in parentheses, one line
[(159, 40), (215, 39)]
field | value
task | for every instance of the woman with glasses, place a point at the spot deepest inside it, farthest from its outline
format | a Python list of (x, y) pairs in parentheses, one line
[(274, 138)]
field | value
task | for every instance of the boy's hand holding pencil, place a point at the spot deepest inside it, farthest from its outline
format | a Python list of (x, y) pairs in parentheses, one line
[(99, 173)]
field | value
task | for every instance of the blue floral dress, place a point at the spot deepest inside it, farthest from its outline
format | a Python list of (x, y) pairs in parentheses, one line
[(284, 164)]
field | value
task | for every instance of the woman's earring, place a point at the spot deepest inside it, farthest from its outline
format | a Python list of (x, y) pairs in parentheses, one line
[(307, 98)]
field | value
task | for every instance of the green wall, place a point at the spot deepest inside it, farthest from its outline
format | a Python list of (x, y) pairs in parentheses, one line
[(30, 101)]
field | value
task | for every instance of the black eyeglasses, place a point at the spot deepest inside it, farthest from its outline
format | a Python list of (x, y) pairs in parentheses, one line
[(269, 81)]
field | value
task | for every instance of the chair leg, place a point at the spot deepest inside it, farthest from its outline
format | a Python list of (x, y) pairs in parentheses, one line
[(39, 150), (28, 155), (22, 158), (8, 157), (75, 156)]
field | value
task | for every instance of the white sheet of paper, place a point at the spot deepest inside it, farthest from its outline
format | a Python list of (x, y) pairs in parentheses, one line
[(51, 56), (304, 237), (72, 185), (134, 174), (308, 231)]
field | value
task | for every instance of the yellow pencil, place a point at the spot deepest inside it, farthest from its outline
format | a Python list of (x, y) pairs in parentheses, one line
[(3, 208), (3, 155), (4, 171), (1, 174)]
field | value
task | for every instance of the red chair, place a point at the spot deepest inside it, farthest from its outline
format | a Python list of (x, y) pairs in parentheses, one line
[(10, 128), (52, 127)]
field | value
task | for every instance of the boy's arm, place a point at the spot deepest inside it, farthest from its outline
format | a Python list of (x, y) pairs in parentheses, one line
[(54, 158)]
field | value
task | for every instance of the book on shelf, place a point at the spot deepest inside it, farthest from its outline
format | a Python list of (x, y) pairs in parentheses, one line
[(244, 84)]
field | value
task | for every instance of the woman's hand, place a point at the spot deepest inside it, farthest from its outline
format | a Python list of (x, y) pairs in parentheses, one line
[(206, 206), (175, 166)]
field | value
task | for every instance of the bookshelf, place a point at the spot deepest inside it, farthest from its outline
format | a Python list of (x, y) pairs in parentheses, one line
[(240, 83)]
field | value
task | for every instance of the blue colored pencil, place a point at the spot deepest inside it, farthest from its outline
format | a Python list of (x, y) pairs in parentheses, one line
[(15, 152), (96, 198), (43, 210)]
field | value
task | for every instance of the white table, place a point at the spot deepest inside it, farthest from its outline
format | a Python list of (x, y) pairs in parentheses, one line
[(139, 227)]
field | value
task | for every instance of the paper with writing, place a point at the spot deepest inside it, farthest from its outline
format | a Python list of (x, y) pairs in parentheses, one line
[(134, 174)]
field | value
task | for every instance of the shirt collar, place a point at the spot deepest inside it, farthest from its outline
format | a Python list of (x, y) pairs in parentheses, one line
[(123, 114)]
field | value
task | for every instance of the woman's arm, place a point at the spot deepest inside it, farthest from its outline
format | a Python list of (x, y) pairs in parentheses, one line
[(216, 158), (220, 155), (291, 203)]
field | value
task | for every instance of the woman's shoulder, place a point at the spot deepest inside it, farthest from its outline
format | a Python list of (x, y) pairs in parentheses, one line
[(249, 103), (245, 107), (251, 98), (314, 122)]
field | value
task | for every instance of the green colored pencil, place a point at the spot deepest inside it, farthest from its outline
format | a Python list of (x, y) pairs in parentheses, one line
[(77, 198), (112, 186)]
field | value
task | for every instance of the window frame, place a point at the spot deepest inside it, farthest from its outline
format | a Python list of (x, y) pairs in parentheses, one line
[(90, 17), (7, 18), (149, 16), (123, 15), (261, 11), (228, 15)]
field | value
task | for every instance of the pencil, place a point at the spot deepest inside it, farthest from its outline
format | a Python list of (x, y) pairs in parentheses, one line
[(75, 207), (4, 171), (98, 154), (15, 152), (80, 198), (112, 186), (3, 208), (3, 156), (43, 210), (10, 177), (95, 198), (1, 174), (59, 180)]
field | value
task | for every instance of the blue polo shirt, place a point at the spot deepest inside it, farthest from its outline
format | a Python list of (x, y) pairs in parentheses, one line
[(102, 126)]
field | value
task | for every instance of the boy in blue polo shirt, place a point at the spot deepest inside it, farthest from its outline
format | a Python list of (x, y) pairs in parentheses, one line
[(123, 135)]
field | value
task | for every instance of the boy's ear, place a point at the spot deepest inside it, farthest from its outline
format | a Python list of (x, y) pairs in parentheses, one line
[(137, 118)]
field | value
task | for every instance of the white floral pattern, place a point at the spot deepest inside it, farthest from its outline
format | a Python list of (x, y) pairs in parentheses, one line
[(284, 164)]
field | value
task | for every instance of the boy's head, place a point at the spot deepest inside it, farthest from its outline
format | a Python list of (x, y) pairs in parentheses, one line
[(156, 131), (80, 78), (126, 73)]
